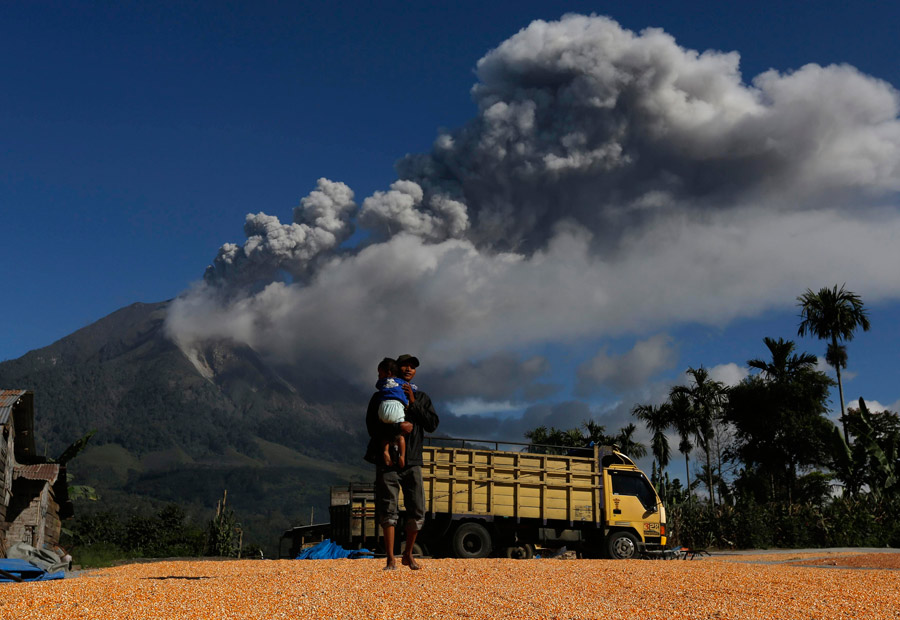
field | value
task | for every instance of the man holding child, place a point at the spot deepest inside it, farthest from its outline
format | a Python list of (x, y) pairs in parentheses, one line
[(390, 480)]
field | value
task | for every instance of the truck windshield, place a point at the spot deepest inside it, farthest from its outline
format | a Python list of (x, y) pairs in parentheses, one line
[(632, 483)]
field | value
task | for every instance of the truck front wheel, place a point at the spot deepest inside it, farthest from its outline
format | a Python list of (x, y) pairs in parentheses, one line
[(622, 546), (470, 541)]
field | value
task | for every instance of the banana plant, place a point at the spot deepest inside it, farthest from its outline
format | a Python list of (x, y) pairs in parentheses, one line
[(878, 435)]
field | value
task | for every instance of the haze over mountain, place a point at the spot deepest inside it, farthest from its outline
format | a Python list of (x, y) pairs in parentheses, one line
[(183, 425)]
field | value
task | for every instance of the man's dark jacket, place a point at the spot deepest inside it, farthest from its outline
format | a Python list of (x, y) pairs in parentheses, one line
[(424, 420)]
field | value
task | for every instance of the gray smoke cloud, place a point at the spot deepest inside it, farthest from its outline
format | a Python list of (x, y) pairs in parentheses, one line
[(585, 120), (321, 223), (402, 210), (610, 183)]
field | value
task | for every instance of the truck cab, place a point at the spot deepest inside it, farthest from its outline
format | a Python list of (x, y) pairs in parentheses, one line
[(635, 518)]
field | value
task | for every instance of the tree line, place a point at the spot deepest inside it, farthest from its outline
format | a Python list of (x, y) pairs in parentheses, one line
[(773, 470), (102, 538)]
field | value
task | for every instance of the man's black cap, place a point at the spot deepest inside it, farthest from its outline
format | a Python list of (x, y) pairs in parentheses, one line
[(406, 358)]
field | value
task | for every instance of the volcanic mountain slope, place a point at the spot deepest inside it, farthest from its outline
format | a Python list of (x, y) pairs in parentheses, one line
[(182, 425)]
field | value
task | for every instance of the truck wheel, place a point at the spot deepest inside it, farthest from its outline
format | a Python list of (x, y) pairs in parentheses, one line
[(622, 546), (470, 541)]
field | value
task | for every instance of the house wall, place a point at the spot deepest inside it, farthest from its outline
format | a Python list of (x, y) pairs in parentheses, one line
[(34, 515), (7, 462), (50, 517)]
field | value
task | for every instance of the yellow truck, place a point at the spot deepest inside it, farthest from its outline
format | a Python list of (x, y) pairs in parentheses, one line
[(481, 501)]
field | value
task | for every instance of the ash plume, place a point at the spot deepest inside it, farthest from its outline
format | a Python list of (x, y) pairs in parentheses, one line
[(610, 183), (322, 221)]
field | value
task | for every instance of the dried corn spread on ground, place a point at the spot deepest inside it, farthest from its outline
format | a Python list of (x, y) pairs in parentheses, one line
[(491, 588)]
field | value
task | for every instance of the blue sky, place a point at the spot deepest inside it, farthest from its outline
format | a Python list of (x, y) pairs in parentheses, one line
[(137, 136)]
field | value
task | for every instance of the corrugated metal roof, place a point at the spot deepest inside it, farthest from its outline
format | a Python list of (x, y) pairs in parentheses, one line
[(8, 399), (44, 471)]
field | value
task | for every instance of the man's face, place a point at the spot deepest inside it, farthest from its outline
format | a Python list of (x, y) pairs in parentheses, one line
[(407, 372)]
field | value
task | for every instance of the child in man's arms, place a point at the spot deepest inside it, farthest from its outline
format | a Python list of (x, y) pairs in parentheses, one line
[(392, 410)]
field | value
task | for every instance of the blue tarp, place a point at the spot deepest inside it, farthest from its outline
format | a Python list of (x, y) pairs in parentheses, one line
[(327, 550), (26, 571)]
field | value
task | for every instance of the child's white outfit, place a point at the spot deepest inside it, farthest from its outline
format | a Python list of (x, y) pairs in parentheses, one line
[(393, 400)]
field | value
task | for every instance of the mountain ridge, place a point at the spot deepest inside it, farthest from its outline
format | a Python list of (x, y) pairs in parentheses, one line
[(175, 424)]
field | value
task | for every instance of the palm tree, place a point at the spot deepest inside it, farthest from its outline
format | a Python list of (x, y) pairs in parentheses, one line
[(833, 314), (595, 432), (657, 420), (681, 414), (627, 444), (706, 398), (553, 440), (785, 363), (782, 408)]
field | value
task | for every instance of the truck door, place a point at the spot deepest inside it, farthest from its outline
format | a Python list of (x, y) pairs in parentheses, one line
[(634, 504)]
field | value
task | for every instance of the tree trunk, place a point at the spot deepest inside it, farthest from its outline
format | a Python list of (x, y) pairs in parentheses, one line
[(837, 369), (687, 467), (841, 394), (718, 455), (792, 481), (709, 477)]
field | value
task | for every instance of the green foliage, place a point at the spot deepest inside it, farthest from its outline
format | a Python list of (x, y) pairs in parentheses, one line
[(557, 441), (553, 440), (876, 443), (839, 522), (224, 536), (72, 451), (627, 444), (87, 529), (833, 315), (705, 398), (657, 420), (694, 411), (813, 488), (674, 493), (101, 538), (101, 555), (779, 420), (81, 491)]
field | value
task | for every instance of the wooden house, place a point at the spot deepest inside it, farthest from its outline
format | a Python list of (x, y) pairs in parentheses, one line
[(33, 516), (32, 491)]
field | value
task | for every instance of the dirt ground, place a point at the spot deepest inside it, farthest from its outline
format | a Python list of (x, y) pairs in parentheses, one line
[(808, 584), (882, 559)]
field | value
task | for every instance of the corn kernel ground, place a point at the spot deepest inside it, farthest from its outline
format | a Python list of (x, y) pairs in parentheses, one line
[(777, 586)]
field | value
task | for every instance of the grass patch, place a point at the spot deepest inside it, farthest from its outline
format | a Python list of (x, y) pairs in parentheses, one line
[(99, 555)]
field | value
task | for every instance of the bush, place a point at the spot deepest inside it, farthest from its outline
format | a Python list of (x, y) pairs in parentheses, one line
[(102, 538), (840, 522)]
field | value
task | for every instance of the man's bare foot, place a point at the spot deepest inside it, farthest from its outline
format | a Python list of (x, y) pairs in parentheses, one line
[(391, 565), (411, 562)]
